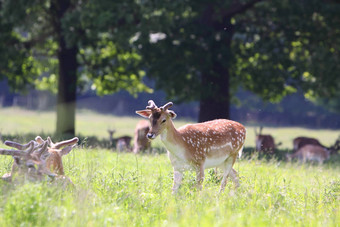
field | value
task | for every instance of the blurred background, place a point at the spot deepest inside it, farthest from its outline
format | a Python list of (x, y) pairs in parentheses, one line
[(262, 63)]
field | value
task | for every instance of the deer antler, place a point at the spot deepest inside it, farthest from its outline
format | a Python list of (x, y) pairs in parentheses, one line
[(151, 105), (66, 143), (20, 152), (39, 140), (166, 106), (18, 145)]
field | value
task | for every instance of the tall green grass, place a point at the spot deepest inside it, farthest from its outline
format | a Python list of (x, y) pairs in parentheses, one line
[(123, 189)]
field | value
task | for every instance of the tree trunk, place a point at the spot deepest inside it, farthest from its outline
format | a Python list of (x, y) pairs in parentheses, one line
[(67, 87), (215, 96), (216, 105), (67, 80)]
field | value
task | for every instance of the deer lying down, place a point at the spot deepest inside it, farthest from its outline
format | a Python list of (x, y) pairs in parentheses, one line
[(196, 146), (28, 162), (310, 152), (46, 155)]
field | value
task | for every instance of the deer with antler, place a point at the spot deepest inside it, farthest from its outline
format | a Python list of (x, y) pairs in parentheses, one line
[(196, 146), (46, 155), (29, 161)]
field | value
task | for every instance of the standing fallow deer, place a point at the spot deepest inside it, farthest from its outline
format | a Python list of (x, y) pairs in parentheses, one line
[(122, 142), (300, 142), (196, 146), (141, 142), (264, 143), (310, 152)]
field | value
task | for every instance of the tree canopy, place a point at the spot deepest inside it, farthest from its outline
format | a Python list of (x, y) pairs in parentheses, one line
[(194, 49), (68, 45), (273, 48)]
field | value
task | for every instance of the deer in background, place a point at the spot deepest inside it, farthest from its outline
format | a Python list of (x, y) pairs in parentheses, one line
[(122, 143), (314, 151), (198, 146), (46, 154), (141, 142), (299, 142), (264, 143)]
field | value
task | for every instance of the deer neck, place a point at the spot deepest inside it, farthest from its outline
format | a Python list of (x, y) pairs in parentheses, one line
[(172, 140)]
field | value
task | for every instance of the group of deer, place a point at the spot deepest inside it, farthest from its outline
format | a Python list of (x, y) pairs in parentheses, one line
[(38, 159), (310, 149), (140, 143), (304, 148)]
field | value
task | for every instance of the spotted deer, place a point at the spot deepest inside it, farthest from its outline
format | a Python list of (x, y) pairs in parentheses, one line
[(196, 146), (46, 155), (141, 142)]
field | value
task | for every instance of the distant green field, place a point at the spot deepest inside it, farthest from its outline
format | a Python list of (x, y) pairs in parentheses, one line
[(16, 121), (123, 189)]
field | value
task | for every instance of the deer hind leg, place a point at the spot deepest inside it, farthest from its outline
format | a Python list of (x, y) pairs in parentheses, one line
[(234, 177), (227, 167)]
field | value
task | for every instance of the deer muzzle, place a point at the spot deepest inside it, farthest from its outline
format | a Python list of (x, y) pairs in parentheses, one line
[(151, 135)]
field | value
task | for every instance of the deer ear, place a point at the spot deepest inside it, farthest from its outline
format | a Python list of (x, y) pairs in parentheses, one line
[(66, 150), (144, 113), (172, 114)]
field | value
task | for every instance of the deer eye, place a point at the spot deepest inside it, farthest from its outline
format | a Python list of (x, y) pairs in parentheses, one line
[(163, 121)]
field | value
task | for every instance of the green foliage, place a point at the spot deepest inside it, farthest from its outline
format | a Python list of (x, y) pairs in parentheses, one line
[(32, 30), (277, 47), (289, 45)]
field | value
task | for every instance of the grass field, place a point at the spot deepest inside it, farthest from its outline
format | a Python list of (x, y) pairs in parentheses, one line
[(18, 121), (123, 189)]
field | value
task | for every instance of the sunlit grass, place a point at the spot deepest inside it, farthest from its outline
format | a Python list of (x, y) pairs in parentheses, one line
[(123, 189)]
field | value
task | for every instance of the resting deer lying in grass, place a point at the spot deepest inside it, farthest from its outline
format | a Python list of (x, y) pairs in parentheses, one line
[(141, 142), (45, 154), (29, 161), (196, 146)]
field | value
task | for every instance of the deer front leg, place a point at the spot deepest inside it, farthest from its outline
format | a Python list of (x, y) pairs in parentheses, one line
[(200, 176), (178, 176)]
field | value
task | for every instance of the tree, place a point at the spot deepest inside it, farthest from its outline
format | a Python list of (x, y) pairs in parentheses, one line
[(204, 50), (70, 43)]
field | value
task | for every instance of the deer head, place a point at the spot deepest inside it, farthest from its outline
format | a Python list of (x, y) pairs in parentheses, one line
[(39, 157), (29, 160), (158, 117)]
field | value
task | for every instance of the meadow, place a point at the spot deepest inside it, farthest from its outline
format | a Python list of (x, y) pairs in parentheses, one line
[(123, 189)]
